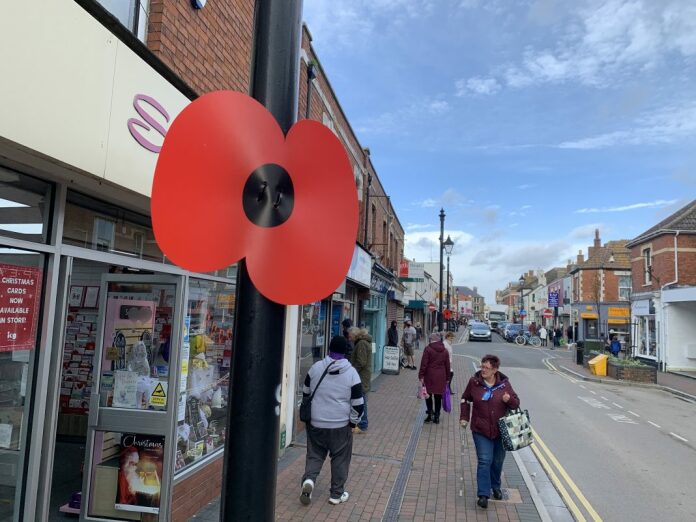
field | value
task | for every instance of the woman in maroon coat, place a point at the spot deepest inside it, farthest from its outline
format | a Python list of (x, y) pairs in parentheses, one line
[(491, 394), (434, 374)]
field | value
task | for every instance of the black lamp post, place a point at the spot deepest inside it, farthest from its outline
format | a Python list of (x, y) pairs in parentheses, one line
[(448, 245), (442, 237), (522, 281)]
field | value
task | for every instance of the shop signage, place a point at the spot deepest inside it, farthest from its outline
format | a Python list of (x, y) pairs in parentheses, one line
[(618, 312), (143, 104), (553, 299), (589, 315), (390, 360), (379, 285), (641, 307), (20, 292), (414, 272), (360, 269)]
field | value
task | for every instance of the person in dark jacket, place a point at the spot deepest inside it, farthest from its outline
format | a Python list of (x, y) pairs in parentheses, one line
[(393, 335), (491, 395), (434, 374), (361, 359), (347, 323)]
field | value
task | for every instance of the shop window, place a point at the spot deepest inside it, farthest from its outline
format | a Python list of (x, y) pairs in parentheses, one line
[(312, 340), (94, 224), (131, 13), (205, 366), (21, 280), (25, 206)]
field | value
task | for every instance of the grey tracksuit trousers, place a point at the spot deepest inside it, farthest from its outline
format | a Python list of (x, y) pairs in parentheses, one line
[(338, 444)]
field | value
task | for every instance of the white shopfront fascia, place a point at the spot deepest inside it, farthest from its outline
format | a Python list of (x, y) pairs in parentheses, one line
[(75, 118)]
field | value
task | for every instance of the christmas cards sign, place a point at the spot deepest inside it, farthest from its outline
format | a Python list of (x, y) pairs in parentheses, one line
[(20, 290)]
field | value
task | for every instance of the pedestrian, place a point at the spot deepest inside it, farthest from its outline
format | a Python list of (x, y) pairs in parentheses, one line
[(615, 346), (434, 375), (448, 341), (487, 397), (532, 328), (557, 334), (337, 406), (393, 335), (408, 340), (543, 334), (347, 323), (361, 360), (569, 333), (419, 335)]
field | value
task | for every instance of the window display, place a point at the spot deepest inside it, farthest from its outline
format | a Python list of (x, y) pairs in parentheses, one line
[(21, 282), (205, 365)]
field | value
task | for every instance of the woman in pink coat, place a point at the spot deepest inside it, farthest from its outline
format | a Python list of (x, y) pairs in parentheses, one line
[(434, 374)]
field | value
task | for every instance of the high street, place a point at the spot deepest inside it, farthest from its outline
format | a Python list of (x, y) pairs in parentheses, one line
[(618, 452)]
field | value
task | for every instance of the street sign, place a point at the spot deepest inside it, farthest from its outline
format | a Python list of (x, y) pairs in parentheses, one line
[(548, 313), (523, 313), (432, 307), (553, 299)]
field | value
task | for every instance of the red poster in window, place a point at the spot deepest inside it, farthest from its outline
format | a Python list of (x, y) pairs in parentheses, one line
[(20, 292), (403, 268)]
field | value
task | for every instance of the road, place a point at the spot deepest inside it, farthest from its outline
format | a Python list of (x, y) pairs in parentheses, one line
[(628, 452)]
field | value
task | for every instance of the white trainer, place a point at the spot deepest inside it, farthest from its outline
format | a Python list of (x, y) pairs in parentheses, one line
[(307, 488), (339, 500)]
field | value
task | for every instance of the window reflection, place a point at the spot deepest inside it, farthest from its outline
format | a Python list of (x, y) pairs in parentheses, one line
[(24, 206)]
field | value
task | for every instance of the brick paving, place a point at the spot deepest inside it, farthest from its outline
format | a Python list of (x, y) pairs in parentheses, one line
[(432, 479)]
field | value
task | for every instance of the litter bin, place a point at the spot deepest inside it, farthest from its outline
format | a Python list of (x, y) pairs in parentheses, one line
[(598, 365), (579, 352)]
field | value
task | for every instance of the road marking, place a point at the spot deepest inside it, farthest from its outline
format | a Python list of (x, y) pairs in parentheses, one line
[(594, 402), (618, 405), (621, 418), (550, 366), (593, 392), (634, 414), (678, 437), (583, 387), (656, 425), (578, 516), (604, 398)]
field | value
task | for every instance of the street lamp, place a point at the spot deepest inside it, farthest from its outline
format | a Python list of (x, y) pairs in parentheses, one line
[(522, 281), (448, 245), (442, 237)]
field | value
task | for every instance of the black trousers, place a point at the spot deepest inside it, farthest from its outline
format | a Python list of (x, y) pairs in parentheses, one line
[(438, 404), (338, 444)]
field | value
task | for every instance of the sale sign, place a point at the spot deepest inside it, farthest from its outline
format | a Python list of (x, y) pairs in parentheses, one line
[(20, 292)]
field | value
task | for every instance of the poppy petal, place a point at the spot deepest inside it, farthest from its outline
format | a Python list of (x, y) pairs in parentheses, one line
[(209, 152), (306, 258)]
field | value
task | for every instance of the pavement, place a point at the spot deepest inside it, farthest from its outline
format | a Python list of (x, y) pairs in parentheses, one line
[(403, 469), (683, 385)]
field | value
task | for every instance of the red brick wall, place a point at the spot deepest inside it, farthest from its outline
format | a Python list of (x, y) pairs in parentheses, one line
[(196, 491), (663, 262), (587, 289), (208, 48)]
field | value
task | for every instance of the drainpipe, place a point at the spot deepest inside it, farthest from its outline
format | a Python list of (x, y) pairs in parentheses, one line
[(663, 320)]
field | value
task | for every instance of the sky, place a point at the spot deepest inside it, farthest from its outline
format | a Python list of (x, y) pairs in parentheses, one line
[(531, 122)]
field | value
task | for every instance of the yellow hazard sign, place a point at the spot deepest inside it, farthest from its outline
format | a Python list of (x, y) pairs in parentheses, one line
[(158, 397)]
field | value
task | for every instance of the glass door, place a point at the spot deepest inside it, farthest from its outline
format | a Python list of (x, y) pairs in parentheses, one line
[(129, 453)]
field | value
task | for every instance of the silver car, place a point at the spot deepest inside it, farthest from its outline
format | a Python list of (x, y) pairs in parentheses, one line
[(480, 332)]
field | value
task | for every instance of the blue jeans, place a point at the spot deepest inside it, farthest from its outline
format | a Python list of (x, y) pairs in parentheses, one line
[(491, 455), (363, 421)]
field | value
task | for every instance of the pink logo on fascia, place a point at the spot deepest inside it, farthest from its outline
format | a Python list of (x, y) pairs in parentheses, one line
[(142, 103)]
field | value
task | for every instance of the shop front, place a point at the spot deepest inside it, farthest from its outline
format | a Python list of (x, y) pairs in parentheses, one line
[(644, 343), (114, 362), (375, 313)]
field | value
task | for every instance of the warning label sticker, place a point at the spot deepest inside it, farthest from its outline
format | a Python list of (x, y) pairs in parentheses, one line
[(158, 397)]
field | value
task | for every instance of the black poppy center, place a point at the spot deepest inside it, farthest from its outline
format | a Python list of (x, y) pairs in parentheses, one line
[(268, 196)]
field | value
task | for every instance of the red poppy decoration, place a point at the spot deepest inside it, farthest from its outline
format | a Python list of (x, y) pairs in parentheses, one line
[(229, 185)]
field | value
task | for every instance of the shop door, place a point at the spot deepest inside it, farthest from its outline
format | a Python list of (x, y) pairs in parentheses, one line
[(128, 466)]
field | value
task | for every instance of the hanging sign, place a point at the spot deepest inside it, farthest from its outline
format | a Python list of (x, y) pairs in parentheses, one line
[(20, 290)]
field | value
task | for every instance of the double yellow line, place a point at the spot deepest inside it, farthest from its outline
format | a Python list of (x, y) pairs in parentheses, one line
[(551, 465)]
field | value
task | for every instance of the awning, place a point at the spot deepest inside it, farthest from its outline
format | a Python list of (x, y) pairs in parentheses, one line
[(416, 304), (588, 315), (618, 321)]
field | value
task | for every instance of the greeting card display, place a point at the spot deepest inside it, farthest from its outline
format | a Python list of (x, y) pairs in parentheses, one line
[(140, 473)]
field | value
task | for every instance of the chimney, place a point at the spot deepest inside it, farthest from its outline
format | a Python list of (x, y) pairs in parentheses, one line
[(597, 241), (581, 258), (476, 290)]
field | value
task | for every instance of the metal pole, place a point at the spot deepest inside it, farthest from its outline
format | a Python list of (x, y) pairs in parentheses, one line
[(448, 288), (251, 451), (442, 238), (367, 209)]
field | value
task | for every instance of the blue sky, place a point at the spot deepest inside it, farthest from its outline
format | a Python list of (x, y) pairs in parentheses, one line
[(532, 122)]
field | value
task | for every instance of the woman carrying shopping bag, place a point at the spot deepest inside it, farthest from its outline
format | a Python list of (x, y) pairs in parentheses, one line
[(486, 399), (434, 374)]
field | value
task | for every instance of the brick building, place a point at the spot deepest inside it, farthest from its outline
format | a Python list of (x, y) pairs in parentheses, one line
[(663, 300), (105, 80), (601, 286)]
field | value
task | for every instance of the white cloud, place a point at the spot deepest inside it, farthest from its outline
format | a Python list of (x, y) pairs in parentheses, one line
[(477, 85), (586, 232), (411, 227), (427, 203), (648, 204), (665, 125), (403, 120), (524, 186)]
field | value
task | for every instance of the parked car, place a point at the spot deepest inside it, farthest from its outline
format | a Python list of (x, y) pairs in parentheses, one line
[(480, 332), (501, 327), (511, 331)]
